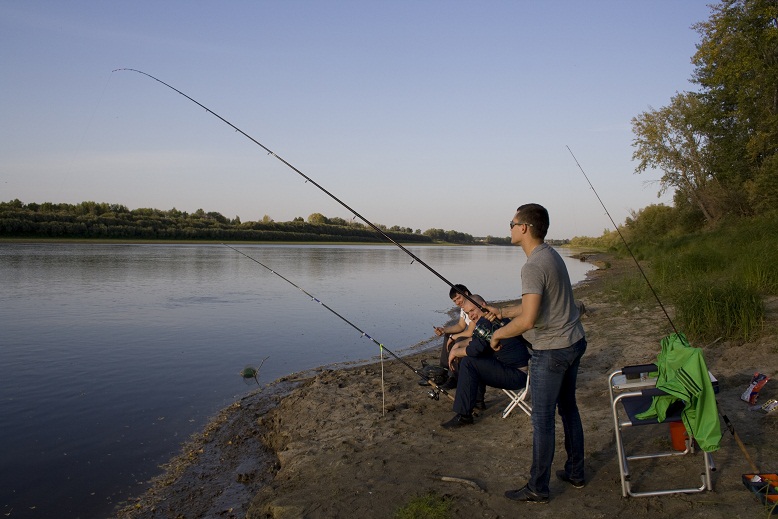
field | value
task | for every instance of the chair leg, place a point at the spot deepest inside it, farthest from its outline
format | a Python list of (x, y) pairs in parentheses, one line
[(624, 459), (523, 404), (514, 401), (517, 399)]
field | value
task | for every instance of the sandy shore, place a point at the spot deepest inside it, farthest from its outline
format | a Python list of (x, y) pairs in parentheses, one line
[(362, 441)]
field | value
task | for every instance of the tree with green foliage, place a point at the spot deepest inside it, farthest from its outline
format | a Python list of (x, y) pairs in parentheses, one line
[(736, 65), (435, 234), (671, 139), (317, 219), (651, 224), (112, 221), (718, 148)]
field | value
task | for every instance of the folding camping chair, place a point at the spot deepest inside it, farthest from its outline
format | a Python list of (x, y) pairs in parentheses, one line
[(518, 398), (631, 393)]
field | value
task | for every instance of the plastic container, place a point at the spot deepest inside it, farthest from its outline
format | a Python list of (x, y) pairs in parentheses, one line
[(678, 436)]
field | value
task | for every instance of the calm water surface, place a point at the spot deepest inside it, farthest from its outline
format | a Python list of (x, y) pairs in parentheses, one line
[(112, 355)]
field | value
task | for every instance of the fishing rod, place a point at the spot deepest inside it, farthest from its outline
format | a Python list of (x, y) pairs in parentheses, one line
[(730, 427), (309, 179), (437, 389), (672, 325)]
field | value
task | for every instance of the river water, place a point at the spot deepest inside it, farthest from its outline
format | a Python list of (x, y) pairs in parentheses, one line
[(112, 355)]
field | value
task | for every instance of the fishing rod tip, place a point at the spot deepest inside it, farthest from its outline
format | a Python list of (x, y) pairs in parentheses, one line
[(129, 70)]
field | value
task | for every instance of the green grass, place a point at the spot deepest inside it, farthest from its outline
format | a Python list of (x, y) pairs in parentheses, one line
[(732, 311), (631, 289), (427, 506), (716, 279)]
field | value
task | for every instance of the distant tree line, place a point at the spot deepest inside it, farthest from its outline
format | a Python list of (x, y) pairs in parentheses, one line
[(114, 221)]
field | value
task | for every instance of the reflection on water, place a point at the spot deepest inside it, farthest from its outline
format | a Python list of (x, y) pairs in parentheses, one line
[(112, 355)]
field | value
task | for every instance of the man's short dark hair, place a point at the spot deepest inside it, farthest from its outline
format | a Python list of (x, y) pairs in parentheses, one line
[(458, 289), (536, 216)]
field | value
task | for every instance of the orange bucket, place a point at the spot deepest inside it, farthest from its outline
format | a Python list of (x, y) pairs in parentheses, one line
[(678, 435)]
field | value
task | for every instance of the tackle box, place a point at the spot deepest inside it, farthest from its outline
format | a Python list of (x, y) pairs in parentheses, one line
[(766, 489)]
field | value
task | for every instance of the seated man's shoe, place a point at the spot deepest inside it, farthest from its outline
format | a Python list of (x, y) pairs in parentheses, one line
[(525, 494), (459, 420), (577, 483), (451, 383), (424, 382)]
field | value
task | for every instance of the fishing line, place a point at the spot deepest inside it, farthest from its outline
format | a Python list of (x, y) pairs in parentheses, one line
[(309, 179), (672, 325), (357, 328), (727, 422)]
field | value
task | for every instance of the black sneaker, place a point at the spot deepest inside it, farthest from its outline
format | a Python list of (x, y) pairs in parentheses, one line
[(424, 382), (459, 420), (527, 495), (577, 483)]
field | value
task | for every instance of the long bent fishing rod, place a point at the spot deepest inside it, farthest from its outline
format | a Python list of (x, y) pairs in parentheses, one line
[(730, 427), (309, 179), (357, 328), (642, 272)]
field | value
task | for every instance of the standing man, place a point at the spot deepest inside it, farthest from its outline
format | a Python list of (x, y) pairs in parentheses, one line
[(549, 318)]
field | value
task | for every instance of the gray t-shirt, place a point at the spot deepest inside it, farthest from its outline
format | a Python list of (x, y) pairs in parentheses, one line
[(558, 324)]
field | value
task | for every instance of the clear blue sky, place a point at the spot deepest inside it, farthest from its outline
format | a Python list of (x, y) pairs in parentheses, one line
[(415, 113)]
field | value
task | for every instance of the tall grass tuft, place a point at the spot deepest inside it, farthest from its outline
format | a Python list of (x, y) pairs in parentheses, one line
[(630, 289), (731, 310)]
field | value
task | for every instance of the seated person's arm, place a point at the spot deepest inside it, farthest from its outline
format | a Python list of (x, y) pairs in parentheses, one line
[(457, 327), (467, 332), (458, 350)]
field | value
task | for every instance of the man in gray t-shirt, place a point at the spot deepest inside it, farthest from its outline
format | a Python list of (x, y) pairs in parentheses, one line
[(558, 323), (549, 319)]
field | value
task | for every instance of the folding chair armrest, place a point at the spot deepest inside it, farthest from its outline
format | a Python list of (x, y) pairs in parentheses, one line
[(638, 369), (652, 391)]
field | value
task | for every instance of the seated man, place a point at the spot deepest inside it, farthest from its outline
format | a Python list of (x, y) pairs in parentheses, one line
[(481, 366), (462, 330)]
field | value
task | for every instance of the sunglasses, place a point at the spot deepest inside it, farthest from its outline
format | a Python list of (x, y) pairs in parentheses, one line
[(514, 224)]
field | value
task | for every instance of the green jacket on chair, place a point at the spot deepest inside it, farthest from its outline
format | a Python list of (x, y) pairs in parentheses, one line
[(683, 375)]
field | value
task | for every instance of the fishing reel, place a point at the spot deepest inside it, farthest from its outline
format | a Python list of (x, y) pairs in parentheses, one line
[(484, 331), (434, 394)]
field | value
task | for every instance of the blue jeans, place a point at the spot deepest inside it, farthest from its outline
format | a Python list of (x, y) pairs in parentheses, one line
[(553, 374), (475, 373)]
